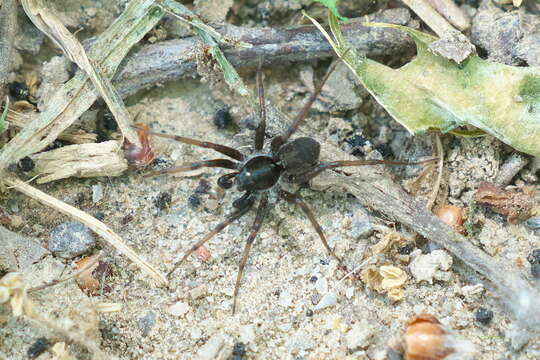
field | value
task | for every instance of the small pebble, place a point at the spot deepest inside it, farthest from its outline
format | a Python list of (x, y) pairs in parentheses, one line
[(359, 336), (38, 347), (328, 300), (432, 266), (325, 261), (533, 223), (199, 292), (203, 254), (147, 322), (321, 285), (100, 216), (535, 270), (26, 164), (483, 316), (70, 239), (203, 187), (313, 279), (194, 200), (211, 348), (406, 249), (534, 257), (178, 309), (163, 200), (97, 193), (247, 334), (239, 351), (222, 118)]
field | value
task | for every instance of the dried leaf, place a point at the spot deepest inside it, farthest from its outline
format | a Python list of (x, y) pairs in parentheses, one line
[(432, 92), (515, 205)]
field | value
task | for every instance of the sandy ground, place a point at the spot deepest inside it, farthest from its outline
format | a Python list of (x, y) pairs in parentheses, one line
[(288, 272)]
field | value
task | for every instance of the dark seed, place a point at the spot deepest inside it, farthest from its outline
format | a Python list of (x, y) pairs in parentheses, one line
[(38, 348), (535, 271), (325, 261), (222, 118), (483, 316), (194, 200), (19, 90), (239, 350), (534, 257), (313, 279), (203, 187), (406, 249), (309, 313), (26, 164), (100, 216), (163, 200)]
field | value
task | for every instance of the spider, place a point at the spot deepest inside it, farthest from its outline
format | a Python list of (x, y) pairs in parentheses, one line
[(262, 171)]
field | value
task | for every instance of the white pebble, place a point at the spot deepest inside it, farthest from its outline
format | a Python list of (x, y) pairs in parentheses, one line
[(328, 300), (178, 309), (431, 266), (321, 285), (247, 334), (359, 336), (211, 349)]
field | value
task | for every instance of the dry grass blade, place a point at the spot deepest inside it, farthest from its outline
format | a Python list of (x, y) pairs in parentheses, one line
[(72, 99), (53, 28), (97, 226)]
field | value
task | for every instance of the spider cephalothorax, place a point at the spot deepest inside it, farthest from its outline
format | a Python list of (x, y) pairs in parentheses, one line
[(259, 173)]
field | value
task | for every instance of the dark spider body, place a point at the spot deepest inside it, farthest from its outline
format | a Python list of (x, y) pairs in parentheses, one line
[(256, 175)]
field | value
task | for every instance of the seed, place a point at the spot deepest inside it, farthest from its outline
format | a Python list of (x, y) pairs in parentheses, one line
[(483, 316)]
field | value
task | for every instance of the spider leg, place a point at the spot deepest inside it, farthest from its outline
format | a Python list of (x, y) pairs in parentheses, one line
[(278, 141), (261, 129), (221, 163), (216, 230), (225, 150), (261, 212), (298, 200), (344, 163)]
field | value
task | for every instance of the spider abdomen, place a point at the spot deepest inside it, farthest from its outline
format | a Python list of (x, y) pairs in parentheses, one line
[(258, 173)]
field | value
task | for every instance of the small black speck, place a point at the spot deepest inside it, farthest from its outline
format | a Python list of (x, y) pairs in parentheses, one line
[(222, 118), (356, 142), (535, 271), (126, 219), (483, 316), (159, 161), (100, 216), (406, 249), (313, 279), (19, 90), (163, 200), (38, 348), (309, 313), (534, 257), (239, 351), (325, 261), (194, 200), (203, 187), (26, 164)]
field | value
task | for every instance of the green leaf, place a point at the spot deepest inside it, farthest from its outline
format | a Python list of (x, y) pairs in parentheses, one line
[(332, 6), (432, 92)]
